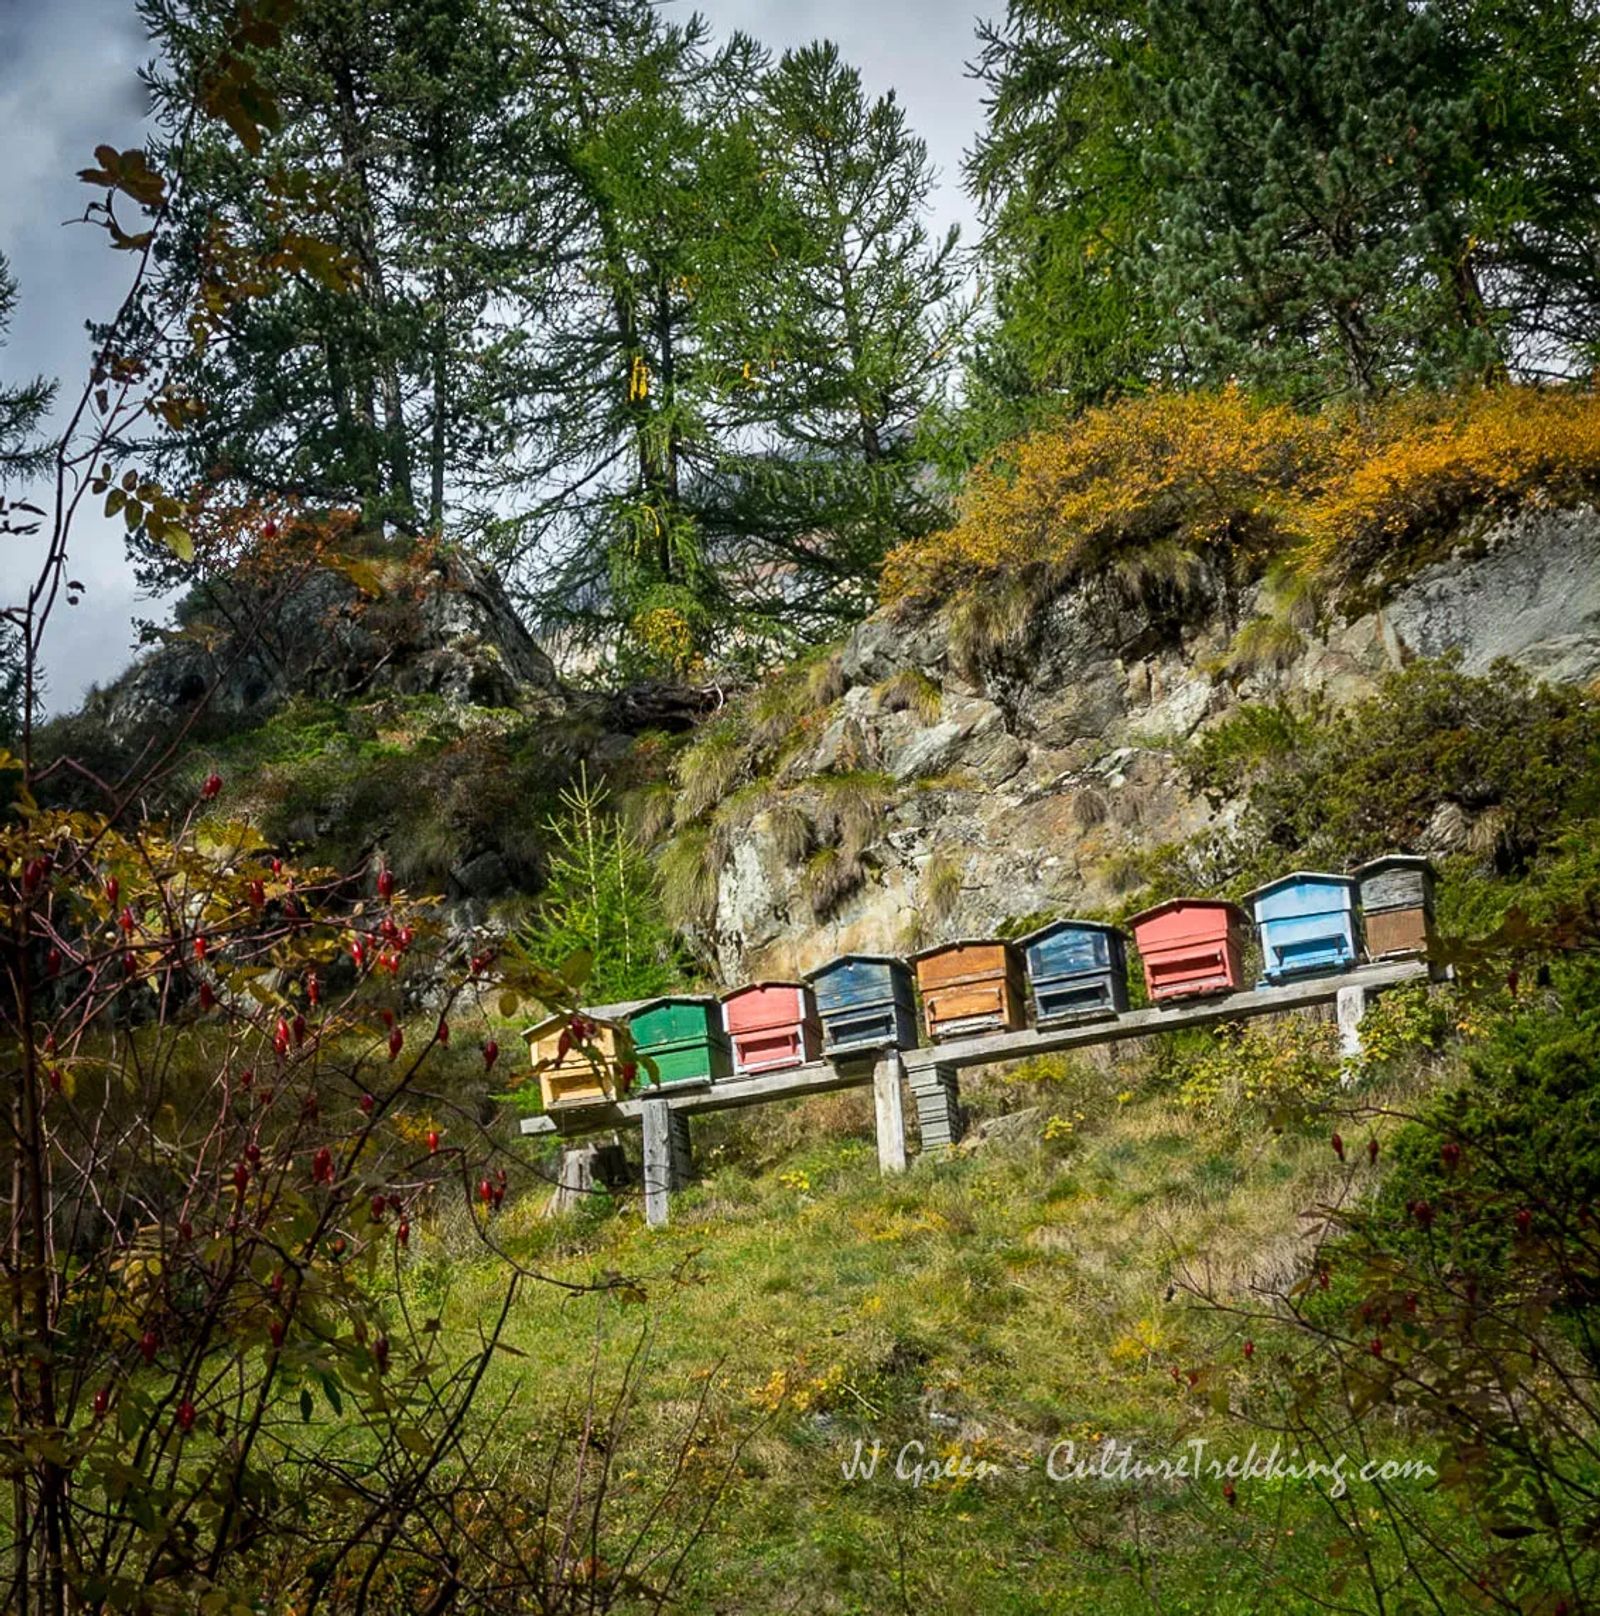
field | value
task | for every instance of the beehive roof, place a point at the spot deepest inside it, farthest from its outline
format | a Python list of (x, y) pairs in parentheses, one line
[(1053, 926), (1299, 875), (1414, 860), (845, 959), (1186, 903), (962, 942)]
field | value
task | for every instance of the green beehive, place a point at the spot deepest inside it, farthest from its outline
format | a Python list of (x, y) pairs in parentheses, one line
[(683, 1035)]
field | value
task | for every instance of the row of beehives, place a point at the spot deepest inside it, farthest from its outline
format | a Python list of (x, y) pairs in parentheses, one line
[(1309, 923)]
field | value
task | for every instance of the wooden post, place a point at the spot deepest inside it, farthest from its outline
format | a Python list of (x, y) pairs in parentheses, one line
[(1351, 1007), (889, 1105), (667, 1158), (936, 1089), (576, 1178)]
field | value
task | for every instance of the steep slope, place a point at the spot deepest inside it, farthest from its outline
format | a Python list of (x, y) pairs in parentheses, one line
[(968, 769)]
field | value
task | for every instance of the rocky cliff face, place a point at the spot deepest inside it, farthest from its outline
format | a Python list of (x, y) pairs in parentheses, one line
[(379, 628), (1016, 790)]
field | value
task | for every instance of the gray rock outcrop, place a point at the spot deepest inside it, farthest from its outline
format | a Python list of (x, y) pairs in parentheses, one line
[(1030, 790)]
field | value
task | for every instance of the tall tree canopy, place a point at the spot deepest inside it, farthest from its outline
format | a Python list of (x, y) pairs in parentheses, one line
[(1328, 200), (650, 320)]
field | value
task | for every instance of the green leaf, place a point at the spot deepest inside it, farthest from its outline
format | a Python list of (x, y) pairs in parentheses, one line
[(178, 541)]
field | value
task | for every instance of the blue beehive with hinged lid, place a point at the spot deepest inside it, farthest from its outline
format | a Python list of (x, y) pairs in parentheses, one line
[(1307, 922), (1078, 970), (865, 1002)]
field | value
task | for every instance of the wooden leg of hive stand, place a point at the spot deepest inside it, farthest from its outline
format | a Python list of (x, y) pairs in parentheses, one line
[(1351, 1007), (937, 1092), (662, 1163), (576, 1177), (890, 1106), (680, 1151)]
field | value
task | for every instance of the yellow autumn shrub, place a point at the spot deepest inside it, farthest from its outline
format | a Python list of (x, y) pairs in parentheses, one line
[(1170, 476), (1200, 469), (1419, 466)]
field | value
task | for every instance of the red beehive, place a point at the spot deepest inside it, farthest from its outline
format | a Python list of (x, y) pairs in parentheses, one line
[(772, 1025), (1191, 946)]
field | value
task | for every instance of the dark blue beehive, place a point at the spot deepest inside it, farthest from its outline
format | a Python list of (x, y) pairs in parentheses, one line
[(865, 1003), (1078, 970), (1308, 924)]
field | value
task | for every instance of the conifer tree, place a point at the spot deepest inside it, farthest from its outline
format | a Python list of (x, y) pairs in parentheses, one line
[(601, 900)]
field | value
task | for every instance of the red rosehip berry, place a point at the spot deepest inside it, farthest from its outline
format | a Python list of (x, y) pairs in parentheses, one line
[(378, 1204), (1450, 1155), (275, 1332), (402, 1232), (367, 1103), (433, 1141), (313, 988), (147, 1346), (111, 890), (1338, 1147), (102, 1401), (386, 883), (491, 1053), (185, 1415), (213, 785), (380, 1354), (396, 1040), (208, 998), (1249, 1349), (1524, 1220), (444, 1031), (200, 945)]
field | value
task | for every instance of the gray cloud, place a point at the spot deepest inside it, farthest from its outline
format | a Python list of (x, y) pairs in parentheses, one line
[(69, 80)]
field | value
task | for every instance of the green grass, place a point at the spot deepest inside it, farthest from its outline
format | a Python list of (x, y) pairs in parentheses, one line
[(992, 1305)]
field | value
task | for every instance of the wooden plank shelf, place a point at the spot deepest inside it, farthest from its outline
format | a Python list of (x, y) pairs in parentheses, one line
[(931, 1073)]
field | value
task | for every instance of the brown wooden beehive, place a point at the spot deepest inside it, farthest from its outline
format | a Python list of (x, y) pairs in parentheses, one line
[(1396, 896), (585, 1072), (970, 987)]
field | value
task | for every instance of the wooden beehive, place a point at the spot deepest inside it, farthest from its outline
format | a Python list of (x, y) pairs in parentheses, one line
[(1307, 922), (1078, 971), (585, 1073), (865, 1003), (1191, 947), (772, 1026), (1396, 897), (682, 1034), (970, 987)]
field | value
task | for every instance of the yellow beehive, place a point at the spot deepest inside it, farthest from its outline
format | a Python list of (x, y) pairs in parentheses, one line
[(586, 1073)]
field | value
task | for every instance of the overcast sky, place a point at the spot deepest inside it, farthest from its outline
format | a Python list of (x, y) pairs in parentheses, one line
[(68, 81)]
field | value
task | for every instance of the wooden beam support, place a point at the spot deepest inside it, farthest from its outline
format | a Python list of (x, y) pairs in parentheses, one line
[(890, 1109), (667, 1159), (1350, 1007), (940, 1123)]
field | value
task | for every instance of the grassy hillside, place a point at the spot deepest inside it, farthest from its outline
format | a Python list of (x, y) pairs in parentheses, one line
[(1034, 1291)]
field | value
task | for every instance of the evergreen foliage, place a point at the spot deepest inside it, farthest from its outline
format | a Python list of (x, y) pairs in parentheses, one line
[(1327, 202), (601, 900)]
